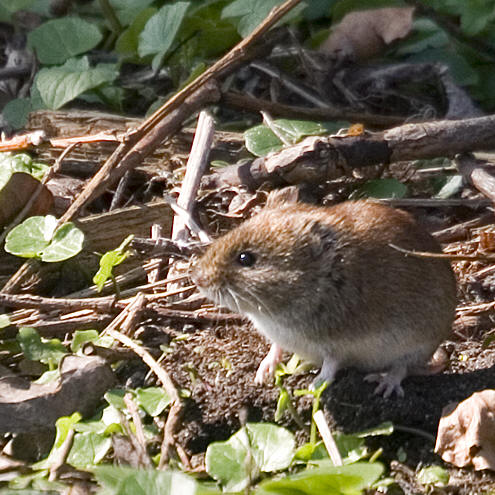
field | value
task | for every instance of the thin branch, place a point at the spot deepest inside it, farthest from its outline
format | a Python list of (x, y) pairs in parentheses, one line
[(451, 257)]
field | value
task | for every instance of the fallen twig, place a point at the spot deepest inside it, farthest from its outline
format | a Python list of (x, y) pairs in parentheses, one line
[(320, 158), (161, 374), (451, 257), (137, 437), (195, 168)]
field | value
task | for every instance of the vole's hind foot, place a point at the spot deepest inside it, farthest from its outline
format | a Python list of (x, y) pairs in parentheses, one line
[(389, 381), (267, 367)]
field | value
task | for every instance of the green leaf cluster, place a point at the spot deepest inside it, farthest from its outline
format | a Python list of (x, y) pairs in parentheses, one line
[(46, 351), (237, 465), (184, 35), (261, 139)]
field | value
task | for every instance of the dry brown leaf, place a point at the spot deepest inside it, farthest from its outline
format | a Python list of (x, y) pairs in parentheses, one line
[(466, 433), (17, 192), (31, 407), (365, 34)]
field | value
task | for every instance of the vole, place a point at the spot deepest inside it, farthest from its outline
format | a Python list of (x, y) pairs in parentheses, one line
[(328, 284)]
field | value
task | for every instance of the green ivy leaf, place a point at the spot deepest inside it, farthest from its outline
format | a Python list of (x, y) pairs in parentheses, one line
[(115, 397), (385, 428), (250, 13), (426, 34), (58, 40), (160, 31), (37, 349), (66, 243), (260, 141), (128, 10), (31, 237), (434, 476), (109, 260), (351, 447), (295, 130), (36, 238), (210, 34), (282, 404), (338, 480), (460, 68), (311, 452), (16, 112), (255, 448), (477, 16), (127, 43), (59, 85), (381, 189), (129, 481), (80, 337), (153, 400), (9, 7), (20, 162), (318, 9), (88, 449)]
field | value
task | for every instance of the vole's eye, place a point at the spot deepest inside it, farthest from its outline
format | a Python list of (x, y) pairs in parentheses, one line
[(245, 258)]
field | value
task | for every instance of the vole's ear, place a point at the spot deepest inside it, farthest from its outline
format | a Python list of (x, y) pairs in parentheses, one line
[(281, 197)]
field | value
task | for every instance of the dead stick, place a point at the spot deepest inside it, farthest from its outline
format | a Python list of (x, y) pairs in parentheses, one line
[(477, 172), (176, 404), (101, 304), (197, 164), (328, 440), (62, 453), (128, 161), (140, 440), (475, 308), (319, 158), (256, 105), (195, 168)]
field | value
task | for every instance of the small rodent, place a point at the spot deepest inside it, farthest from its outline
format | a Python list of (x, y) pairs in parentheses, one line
[(326, 284)]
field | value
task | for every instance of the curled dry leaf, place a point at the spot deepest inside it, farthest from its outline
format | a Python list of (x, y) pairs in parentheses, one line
[(466, 433), (17, 192), (365, 34)]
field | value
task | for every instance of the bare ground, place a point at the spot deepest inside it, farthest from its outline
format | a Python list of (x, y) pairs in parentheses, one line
[(217, 365)]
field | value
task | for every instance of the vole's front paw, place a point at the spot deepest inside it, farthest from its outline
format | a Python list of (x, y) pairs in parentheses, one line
[(267, 367), (388, 382), (326, 374)]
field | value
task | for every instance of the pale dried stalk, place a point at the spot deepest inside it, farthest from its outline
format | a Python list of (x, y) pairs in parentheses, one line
[(196, 167), (327, 437)]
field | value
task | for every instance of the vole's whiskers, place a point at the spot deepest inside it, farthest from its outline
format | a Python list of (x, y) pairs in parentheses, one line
[(234, 299), (260, 303)]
